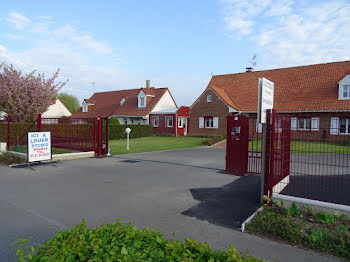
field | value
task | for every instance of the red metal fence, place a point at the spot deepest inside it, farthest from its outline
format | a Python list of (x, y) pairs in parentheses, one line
[(302, 163), (78, 134)]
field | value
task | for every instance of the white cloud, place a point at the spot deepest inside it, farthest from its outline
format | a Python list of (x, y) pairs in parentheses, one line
[(18, 20), (287, 33)]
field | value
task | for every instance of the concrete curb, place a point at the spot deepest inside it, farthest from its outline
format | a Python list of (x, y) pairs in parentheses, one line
[(250, 218), (218, 143), (61, 157)]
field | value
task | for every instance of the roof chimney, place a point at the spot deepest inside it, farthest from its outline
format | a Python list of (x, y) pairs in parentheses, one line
[(148, 83), (249, 69)]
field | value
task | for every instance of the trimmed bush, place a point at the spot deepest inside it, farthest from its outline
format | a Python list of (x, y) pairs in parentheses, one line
[(119, 242), (118, 131), (212, 140)]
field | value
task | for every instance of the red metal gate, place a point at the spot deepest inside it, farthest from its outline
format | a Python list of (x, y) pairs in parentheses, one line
[(80, 134), (277, 161)]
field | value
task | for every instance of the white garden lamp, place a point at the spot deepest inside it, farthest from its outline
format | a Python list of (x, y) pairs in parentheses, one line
[(127, 131)]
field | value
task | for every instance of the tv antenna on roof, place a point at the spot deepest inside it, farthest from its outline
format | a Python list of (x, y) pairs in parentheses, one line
[(253, 61)]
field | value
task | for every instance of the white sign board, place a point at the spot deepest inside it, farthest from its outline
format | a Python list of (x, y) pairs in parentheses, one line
[(39, 146), (265, 98)]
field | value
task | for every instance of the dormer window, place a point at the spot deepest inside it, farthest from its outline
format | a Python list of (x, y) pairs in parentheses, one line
[(85, 107), (344, 88), (209, 98), (346, 91), (141, 98), (142, 101), (122, 101)]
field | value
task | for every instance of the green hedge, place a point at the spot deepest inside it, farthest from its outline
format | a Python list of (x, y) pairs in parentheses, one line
[(119, 242), (118, 131)]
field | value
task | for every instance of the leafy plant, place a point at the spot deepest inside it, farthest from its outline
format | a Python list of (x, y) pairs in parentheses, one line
[(294, 211), (324, 218), (123, 242)]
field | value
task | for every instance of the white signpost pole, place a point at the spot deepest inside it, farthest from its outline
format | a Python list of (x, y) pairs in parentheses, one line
[(127, 131), (265, 101)]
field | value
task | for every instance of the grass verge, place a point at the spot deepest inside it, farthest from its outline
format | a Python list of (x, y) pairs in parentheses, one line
[(8, 159), (154, 143), (302, 147), (323, 232), (122, 242)]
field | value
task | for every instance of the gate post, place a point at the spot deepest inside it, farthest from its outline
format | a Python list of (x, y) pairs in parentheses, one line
[(8, 133), (38, 123), (99, 141)]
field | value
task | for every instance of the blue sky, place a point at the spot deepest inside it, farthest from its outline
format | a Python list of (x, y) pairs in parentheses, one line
[(111, 45)]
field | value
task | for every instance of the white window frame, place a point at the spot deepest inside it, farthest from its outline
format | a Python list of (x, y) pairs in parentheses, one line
[(180, 124), (215, 122), (315, 123), (209, 98), (153, 122), (167, 122), (347, 87), (347, 129), (142, 101), (85, 107), (212, 122), (294, 123), (305, 121)]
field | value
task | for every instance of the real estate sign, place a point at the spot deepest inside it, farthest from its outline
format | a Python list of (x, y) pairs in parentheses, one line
[(265, 98), (39, 146)]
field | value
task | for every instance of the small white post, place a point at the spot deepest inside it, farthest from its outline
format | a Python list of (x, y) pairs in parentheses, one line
[(127, 131)]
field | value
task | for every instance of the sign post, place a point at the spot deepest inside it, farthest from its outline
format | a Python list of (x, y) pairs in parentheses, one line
[(39, 146), (265, 98), (265, 101), (127, 131)]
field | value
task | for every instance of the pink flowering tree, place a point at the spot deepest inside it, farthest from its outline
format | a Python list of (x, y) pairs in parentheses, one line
[(23, 97)]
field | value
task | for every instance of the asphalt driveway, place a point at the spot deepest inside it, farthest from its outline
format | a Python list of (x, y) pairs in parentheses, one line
[(184, 192)]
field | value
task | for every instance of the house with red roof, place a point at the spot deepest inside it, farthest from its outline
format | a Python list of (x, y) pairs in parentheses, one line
[(174, 122), (316, 96), (130, 106)]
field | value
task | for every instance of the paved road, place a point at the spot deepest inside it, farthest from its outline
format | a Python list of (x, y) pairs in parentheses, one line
[(170, 191)]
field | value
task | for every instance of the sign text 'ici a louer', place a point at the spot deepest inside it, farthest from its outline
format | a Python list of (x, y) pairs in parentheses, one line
[(39, 146), (265, 98)]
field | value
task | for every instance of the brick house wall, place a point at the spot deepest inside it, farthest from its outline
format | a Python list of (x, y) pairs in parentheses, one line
[(202, 108), (322, 135), (162, 128)]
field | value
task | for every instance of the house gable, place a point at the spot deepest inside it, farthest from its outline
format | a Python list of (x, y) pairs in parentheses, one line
[(166, 102)]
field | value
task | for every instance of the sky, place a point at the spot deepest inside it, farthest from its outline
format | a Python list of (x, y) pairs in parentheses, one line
[(113, 45)]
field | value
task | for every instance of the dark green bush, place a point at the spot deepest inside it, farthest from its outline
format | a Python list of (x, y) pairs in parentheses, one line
[(322, 232), (119, 242), (113, 121), (212, 140), (118, 131)]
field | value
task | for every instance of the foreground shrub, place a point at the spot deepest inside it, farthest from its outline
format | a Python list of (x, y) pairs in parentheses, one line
[(119, 242), (321, 231)]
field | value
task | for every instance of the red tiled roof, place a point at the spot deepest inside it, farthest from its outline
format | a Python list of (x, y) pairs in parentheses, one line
[(302, 88), (183, 111), (108, 103)]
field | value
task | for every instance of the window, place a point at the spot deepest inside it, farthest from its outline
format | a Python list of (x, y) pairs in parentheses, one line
[(85, 107), (208, 122), (211, 122), (180, 122), (304, 124), (122, 101), (169, 121), (125, 121), (344, 126), (142, 101), (155, 121), (209, 98), (346, 91)]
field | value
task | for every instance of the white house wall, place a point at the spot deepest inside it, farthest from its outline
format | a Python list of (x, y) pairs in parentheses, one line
[(57, 110), (132, 121), (165, 103)]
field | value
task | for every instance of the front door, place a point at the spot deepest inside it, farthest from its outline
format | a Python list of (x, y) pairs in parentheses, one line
[(184, 123)]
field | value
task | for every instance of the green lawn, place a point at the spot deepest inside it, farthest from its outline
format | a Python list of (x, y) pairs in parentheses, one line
[(153, 143), (301, 147), (55, 151)]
